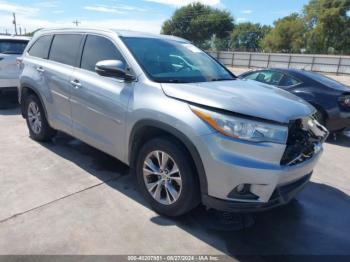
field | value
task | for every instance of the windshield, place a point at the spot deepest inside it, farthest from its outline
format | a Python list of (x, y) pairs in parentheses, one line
[(171, 61), (12, 46)]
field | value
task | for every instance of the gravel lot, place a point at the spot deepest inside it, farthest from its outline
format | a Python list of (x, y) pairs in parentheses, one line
[(65, 197)]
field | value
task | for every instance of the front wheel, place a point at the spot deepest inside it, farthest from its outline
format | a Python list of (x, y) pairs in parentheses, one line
[(166, 177)]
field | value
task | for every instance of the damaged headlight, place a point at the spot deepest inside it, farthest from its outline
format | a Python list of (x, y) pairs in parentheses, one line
[(241, 128)]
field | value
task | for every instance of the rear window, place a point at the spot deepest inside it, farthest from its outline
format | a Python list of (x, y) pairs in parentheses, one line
[(12, 46), (65, 49), (322, 79), (41, 47)]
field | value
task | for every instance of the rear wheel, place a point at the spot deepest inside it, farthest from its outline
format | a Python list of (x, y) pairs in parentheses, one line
[(39, 128), (166, 177)]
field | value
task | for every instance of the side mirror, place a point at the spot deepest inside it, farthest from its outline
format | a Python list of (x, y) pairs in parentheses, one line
[(113, 68)]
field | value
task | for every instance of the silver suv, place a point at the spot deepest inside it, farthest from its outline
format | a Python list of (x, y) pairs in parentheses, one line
[(191, 131), (11, 47)]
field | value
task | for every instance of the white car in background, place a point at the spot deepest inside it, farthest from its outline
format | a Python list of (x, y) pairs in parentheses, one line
[(11, 47)]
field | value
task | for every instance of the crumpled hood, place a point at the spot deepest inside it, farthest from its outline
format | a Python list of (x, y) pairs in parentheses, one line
[(244, 97)]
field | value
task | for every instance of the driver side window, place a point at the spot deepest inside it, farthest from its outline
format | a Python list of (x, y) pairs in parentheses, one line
[(98, 48), (267, 77), (260, 76)]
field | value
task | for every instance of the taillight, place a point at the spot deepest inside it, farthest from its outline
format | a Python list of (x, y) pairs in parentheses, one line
[(19, 62), (344, 101)]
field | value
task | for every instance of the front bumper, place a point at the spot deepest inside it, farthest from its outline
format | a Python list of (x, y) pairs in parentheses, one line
[(281, 196), (229, 163), (5, 83)]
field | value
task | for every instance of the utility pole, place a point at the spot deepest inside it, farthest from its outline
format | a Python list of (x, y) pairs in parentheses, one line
[(76, 23), (15, 23)]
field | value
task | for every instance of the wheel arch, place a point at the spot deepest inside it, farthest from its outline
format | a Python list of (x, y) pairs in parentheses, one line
[(154, 128), (25, 91)]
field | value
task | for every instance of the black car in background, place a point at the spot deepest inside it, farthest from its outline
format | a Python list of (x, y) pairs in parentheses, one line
[(329, 97)]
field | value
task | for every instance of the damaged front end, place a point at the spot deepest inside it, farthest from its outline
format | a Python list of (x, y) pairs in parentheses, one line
[(305, 138)]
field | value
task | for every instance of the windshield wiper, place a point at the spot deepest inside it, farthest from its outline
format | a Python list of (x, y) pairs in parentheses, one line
[(222, 79), (10, 53), (173, 81)]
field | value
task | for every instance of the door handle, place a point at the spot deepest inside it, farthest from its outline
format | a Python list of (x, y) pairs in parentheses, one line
[(75, 83), (40, 69)]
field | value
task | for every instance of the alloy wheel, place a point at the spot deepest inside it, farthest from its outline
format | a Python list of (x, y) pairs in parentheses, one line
[(34, 117), (162, 177)]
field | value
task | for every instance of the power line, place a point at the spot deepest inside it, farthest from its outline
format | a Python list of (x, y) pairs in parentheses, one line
[(76, 22)]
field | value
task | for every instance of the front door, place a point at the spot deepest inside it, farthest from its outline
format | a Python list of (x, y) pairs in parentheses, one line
[(99, 103)]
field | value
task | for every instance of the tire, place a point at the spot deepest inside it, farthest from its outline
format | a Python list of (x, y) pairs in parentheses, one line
[(184, 182), (39, 128)]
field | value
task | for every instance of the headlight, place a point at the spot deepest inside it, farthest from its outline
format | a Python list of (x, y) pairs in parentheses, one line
[(241, 128)]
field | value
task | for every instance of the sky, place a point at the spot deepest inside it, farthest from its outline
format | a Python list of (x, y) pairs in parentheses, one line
[(139, 15)]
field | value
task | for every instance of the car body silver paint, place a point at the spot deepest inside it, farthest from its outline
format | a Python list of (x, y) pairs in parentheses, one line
[(244, 97), (104, 111)]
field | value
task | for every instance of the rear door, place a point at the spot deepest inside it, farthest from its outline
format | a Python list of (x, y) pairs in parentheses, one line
[(99, 103), (9, 51), (288, 82), (63, 58)]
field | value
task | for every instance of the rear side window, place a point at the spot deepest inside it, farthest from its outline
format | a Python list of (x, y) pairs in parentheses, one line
[(12, 46), (41, 47), (289, 81), (96, 49), (65, 49)]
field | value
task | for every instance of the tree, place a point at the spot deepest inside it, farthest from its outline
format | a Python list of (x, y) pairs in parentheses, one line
[(33, 32), (288, 35), (328, 25), (248, 36), (198, 23)]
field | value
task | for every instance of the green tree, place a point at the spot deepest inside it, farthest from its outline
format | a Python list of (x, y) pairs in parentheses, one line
[(328, 25), (288, 35), (198, 23), (248, 36), (33, 32)]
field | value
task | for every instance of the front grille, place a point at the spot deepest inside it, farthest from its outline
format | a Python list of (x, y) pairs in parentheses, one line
[(305, 137)]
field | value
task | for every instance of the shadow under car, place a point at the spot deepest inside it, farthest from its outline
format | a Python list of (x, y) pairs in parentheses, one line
[(315, 223)]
